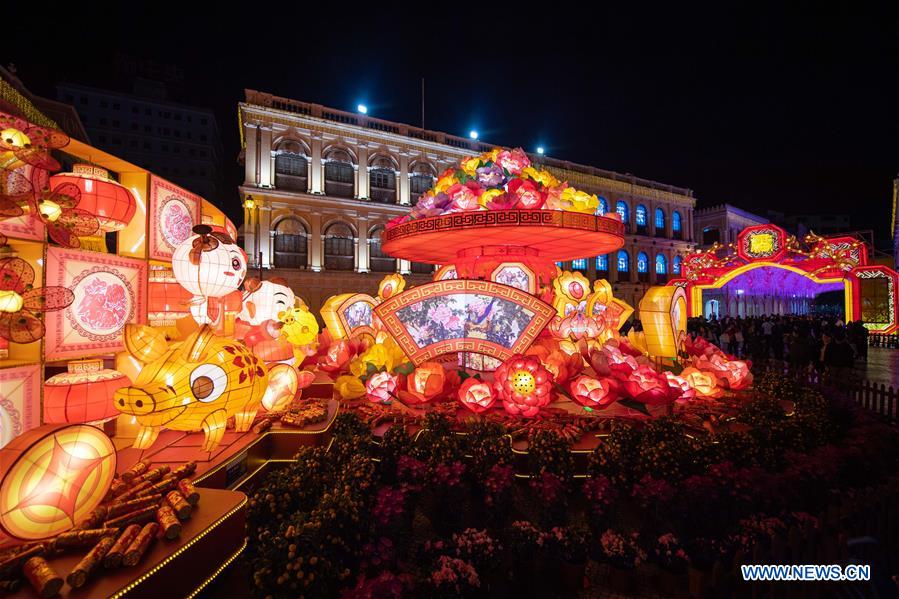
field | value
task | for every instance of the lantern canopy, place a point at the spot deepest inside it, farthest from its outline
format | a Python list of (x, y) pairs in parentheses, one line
[(113, 204), (83, 394), (53, 476)]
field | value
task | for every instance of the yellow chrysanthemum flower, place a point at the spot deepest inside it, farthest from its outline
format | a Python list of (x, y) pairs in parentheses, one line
[(579, 201), (349, 387), (542, 177), (489, 195), (470, 165)]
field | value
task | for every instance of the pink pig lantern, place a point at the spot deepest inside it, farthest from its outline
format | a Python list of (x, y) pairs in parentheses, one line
[(209, 265)]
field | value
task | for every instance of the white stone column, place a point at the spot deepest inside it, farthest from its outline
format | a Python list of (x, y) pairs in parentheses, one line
[(266, 164), (362, 180), (317, 180), (315, 242), (251, 158), (402, 187), (651, 219), (265, 241), (363, 263), (404, 267), (249, 232)]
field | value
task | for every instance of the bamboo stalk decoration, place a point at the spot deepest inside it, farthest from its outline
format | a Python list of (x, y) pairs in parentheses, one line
[(140, 544), (126, 507), (186, 487), (13, 562), (117, 488), (90, 563), (113, 559), (136, 517), (139, 468), (168, 522), (10, 586), (78, 539), (135, 490), (42, 577), (94, 519), (151, 475), (185, 470), (179, 504), (163, 486)]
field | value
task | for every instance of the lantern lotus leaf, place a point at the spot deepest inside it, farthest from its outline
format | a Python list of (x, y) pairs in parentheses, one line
[(523, 385), (21, 304), (476, 395), (22, 142)]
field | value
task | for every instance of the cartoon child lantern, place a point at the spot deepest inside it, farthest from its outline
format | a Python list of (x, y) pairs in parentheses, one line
[(209, 265)]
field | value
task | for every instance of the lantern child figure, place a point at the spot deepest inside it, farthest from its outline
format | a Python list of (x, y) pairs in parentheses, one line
[(209, 265), (198, 383)]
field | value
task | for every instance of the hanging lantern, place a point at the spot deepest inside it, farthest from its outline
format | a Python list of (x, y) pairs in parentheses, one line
[(83, 394), (112, 203), (167, 300), (53, 477)]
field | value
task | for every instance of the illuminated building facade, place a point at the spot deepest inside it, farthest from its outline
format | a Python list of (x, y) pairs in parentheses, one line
[(722, 224), (320, 184)]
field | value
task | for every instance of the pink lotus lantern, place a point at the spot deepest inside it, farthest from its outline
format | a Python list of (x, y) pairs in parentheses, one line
[(476, 395), (594, 393), (524, 385)]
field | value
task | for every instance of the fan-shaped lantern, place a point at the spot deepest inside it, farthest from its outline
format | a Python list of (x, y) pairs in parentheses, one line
[(209, 264), (112, 203), (83, 394)]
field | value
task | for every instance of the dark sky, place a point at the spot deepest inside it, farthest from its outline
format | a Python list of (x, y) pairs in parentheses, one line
[(794, 109)]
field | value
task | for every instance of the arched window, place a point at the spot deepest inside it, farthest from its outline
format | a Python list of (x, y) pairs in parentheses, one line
[(380, 262), (622, 210), (675, 224), (660, 222), (640, 218), (642, 266), (421, 180), (676, 265), (382, 180), (602, 263), (624, 265), (661, 264), (711, 235), (339, 247), (290, 166), (291, 244), (579, 264), (339, 174), (602, 207)]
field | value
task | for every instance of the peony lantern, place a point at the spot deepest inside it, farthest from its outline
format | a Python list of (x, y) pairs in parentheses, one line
[(476, 395), (426, 381), (53, 477), (209, 265), (524, 385), (83, 394), (112, 203)]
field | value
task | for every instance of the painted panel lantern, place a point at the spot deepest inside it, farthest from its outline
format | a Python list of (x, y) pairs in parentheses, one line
[(110, 291), (173, 213), (20, 401)]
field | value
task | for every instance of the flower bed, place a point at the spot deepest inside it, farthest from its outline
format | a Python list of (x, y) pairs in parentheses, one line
[(442, 513)]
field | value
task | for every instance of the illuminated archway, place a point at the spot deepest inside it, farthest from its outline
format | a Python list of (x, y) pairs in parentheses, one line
[(870, 292)]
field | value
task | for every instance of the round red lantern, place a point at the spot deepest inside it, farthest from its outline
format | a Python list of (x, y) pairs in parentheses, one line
[(83, 394), (113, 204)]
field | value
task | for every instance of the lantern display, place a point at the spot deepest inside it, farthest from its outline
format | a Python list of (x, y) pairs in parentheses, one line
[(704, 383), (426, 381), (663, 312), (524, 385), (167, 300), (266, 300), (83, 394), (209, 265), (21, 303), (390, 286), (594, 393), (198, 384), (283, 384), (53, 477), (111, 203), (476, 395)]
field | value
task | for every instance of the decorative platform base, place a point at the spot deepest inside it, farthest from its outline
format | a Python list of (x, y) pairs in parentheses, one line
[(211, 539)]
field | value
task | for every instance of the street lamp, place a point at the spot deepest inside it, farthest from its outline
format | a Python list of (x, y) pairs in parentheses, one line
[(362, 108)]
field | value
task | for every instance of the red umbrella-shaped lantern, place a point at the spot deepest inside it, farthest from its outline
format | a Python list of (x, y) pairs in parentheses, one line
[(112, 203), (83, 394)]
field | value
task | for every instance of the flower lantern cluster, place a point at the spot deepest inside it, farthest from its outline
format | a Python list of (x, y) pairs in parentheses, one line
[(498, 180)]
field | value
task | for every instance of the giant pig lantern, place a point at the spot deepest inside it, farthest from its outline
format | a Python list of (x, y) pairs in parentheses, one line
[(209, 265), (198, 383)]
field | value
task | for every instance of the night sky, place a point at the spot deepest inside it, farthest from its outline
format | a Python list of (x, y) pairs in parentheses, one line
[(795, 111)]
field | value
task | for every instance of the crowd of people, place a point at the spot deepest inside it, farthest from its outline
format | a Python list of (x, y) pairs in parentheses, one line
[(803, 342)]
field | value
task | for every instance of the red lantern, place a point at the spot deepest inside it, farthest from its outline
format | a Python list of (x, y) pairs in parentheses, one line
[(426, 381), (524, 385), (476, 395), (112, 203), (83, 394)]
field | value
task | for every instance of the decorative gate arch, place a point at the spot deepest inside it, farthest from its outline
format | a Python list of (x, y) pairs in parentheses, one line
[(870, 290)]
